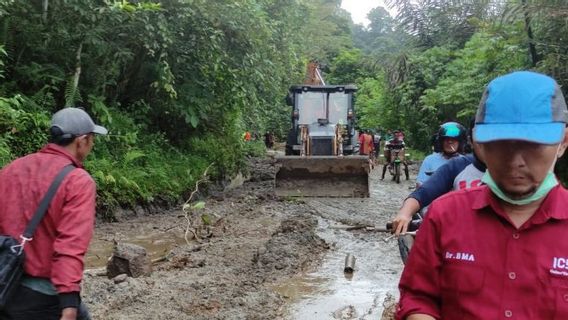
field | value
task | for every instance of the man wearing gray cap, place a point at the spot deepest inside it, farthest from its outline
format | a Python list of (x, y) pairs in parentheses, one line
[(500, 250), (53, 266)]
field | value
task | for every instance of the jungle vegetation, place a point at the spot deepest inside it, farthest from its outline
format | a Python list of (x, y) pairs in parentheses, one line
[(177, 82)]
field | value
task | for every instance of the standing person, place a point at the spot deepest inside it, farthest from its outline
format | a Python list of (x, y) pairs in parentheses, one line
[(365, 143), (268, 140), (53, 268), (451, 140), (271, 140), (498, 251), (388, 135), (377, 143)]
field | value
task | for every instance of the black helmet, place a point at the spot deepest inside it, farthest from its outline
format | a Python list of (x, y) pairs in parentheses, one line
[(452, 130)]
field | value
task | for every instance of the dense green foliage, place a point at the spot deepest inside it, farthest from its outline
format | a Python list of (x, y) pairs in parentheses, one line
[(177, 82), (433, 60)]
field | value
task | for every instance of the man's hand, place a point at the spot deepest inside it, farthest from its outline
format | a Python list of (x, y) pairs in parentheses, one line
[(69, 314), (404, 216)]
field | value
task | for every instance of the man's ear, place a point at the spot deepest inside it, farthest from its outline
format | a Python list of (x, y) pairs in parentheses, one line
[(477, 150), (480, 151), (563, 144)]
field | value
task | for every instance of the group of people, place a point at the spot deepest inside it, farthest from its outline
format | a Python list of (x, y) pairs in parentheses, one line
[(268, 138), (370, 145), (494, 248)]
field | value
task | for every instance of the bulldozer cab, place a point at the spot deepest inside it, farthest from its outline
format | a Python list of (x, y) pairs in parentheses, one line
[(320, 112), (313, 106)]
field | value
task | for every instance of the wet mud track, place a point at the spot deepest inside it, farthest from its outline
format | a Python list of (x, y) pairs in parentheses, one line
[(267, 258)]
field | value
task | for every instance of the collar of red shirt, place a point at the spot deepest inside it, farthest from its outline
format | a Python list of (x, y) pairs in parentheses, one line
[(52, 148), (553, 207)]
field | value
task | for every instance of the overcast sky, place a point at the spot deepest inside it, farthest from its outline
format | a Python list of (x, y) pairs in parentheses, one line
[(360, 8)]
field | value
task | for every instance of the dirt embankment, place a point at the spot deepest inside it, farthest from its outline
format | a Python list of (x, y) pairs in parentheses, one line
[(257, 241)]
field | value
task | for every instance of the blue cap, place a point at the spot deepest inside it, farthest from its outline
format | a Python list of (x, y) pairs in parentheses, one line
[(521, 105)]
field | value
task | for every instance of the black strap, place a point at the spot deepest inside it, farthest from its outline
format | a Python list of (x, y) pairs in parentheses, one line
[(42, 208)]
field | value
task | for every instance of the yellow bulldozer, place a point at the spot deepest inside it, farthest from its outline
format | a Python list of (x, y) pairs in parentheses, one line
[(321, 149)]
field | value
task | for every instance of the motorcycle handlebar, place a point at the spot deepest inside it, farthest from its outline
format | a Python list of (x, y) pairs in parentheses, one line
[(412, 226)]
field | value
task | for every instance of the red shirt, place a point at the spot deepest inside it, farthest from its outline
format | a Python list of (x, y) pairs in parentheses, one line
[(62, 238), (365, 144), (470, 262)]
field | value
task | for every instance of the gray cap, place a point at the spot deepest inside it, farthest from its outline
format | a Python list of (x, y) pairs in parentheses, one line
[(76, 122)]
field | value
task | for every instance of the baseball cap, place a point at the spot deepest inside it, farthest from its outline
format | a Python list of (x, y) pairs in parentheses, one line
[(75, 122), (522, 105)]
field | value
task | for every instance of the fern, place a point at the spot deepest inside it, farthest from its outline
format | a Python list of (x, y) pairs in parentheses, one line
[(132, 156), (72, 95)]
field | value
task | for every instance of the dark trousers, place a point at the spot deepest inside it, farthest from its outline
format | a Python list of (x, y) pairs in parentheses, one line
[(27, 304)]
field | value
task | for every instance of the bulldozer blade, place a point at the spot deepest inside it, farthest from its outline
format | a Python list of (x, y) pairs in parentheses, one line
[(322, 176)]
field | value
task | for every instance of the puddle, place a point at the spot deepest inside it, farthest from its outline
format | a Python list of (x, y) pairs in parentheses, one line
[(328, 293), (156, 242), (319, 294)]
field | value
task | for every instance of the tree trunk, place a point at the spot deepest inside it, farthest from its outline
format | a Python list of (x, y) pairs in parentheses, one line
[(75, 81), (532, 48), (44, 15)]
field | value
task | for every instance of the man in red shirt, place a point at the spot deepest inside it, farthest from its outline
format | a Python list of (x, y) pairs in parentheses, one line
[(54, 258), (365, 143), (500, 250)]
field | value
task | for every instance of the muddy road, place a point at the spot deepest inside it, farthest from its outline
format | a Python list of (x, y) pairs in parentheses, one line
[(264, 258)]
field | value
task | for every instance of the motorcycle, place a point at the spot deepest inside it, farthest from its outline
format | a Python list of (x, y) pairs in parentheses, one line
[(406, 240), (397, 157)]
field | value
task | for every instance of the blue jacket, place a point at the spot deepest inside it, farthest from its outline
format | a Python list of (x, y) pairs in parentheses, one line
[(430, 164)]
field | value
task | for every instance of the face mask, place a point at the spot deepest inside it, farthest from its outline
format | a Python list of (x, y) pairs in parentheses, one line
[(547, 184)]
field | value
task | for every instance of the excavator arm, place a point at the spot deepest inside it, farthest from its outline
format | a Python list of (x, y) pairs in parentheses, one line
[(313, 74)]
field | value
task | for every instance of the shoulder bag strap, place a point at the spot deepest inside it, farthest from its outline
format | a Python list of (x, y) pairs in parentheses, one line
[(42, 208)]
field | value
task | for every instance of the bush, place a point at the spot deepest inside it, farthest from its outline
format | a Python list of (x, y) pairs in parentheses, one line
[(254, 148)]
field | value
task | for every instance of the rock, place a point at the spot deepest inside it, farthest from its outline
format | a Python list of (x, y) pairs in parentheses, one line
[(347, 312), (389, 305), (129, 259), (120, 278)]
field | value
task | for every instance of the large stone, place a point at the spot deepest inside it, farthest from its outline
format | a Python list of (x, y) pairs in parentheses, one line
[(129, 259)]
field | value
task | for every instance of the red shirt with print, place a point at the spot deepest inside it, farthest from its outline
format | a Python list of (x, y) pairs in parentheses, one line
[(62, 238), (470, 262)]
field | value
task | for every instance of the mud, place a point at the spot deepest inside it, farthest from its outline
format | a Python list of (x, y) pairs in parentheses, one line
[(266, 258)]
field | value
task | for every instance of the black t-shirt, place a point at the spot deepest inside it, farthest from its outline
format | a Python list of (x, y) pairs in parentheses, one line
[(394, 144)]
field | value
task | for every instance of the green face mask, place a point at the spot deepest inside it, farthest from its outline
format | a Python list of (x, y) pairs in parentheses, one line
[(547, 184)]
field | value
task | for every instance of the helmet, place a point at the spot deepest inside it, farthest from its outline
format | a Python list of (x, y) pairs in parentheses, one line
[(452, 130)]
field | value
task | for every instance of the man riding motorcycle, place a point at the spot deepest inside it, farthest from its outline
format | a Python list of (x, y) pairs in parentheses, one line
[(396, 143)]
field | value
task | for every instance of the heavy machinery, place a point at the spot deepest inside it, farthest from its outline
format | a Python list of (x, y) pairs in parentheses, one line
[(321, 158)]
